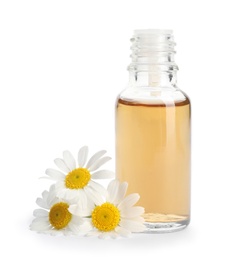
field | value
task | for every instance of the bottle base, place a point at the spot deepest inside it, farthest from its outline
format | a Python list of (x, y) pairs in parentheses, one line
[(161, 223), (165, 227)]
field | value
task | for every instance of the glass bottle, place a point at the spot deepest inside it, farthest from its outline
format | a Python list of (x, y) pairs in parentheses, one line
[(153, 133)]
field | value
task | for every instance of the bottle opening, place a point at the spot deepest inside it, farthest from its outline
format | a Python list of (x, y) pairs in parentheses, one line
[(152, 32)]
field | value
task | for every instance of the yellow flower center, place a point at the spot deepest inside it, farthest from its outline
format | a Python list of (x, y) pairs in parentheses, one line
[(59, 216), (77, 179), (105, 217)]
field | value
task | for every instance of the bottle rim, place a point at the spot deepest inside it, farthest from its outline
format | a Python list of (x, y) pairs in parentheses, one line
[(151, 32)]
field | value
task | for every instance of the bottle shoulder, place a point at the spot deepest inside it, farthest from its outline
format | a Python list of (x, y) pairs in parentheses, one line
[(154, 95)]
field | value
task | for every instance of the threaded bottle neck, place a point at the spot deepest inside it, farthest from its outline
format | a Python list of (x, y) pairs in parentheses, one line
[(152, 58)]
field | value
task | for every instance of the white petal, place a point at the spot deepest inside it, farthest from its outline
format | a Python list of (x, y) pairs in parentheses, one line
[(40, 213), (52, 189), (94, 158), (69, 160), (112, 190), (122, 231), (60, 189), (129, 201), (122, 188), (52, 196), (102, 174), (65, 231), (99, 163), (94, 196), (75, 199), (82, 198), (45, 194), (40, 220), (78, 211), (133, 226), (98, 188), (93, 232), (74, 209), (55, 232), (82, 156), (67, 194), (62, 165), (103, 235), (85, 227), (40, 224), (55, 175), (75, 194), (60, 185), (132, 212), (61, 193), (113, 234), (77, 220), (74, 228), (78, 196), (49, 198), (40, 202)]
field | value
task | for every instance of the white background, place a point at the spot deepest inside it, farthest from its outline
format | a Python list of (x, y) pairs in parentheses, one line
[(62, 64)]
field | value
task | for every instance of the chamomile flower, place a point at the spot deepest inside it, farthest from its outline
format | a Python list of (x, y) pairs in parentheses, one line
[(77, 181), (54, 217), (115, 215)]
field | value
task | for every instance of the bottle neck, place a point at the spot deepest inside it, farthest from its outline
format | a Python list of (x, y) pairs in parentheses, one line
[(152, 79), (152, 59)]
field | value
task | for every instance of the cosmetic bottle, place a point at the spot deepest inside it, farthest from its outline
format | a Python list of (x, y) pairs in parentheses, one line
[(153, 133)]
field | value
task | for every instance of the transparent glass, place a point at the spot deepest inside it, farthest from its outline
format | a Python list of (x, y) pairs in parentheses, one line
[(153, 133)]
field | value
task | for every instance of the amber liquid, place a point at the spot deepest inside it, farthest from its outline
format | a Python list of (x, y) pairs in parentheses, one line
[(153, 156)]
